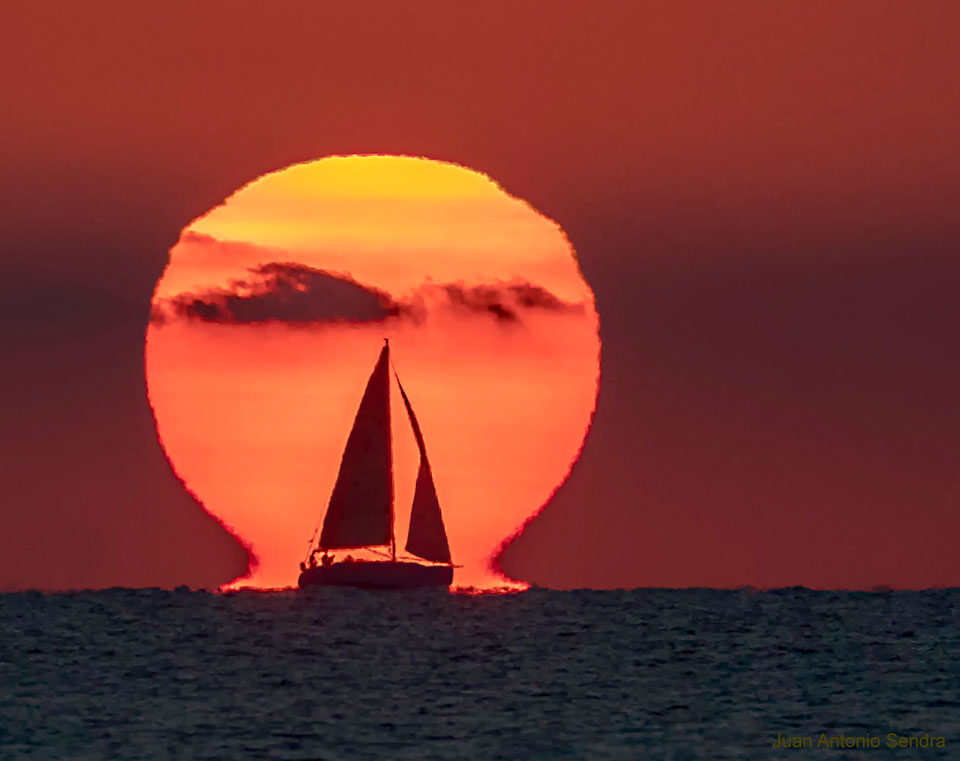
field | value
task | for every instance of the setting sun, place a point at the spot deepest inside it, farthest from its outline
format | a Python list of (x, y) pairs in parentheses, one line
[(269, 317)]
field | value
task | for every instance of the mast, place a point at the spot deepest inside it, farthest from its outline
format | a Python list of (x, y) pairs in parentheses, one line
[(393, 522)]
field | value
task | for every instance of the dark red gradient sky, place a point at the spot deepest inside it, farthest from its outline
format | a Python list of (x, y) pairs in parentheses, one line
[(764, 198)]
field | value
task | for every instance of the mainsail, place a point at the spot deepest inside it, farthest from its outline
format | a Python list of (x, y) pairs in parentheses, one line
[(427, 537), (360, 513)]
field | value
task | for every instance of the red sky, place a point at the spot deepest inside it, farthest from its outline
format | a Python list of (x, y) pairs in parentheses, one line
[(762, 197)]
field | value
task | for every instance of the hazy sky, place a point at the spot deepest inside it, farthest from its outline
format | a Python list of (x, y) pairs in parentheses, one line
[(763, 197)]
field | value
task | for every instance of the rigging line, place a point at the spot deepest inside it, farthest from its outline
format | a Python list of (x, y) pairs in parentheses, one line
[(312, 538), (415, 426), (394, 367), (418, 559), (316, 529)]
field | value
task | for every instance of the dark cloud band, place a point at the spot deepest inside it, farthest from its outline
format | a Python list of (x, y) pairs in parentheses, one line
[(281, 292), (298, 295)]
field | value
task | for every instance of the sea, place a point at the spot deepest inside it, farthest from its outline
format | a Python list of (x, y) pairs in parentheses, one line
[(348, 675)]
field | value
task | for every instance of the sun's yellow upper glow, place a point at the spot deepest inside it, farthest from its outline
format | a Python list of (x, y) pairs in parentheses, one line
[(397, 220)]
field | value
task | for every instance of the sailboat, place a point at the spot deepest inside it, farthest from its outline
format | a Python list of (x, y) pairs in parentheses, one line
[(360, 512)]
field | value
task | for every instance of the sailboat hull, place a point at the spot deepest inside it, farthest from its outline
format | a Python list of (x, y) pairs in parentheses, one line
[(377, 574)]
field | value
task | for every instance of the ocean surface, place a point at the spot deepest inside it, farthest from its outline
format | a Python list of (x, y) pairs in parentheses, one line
[(350, 675)]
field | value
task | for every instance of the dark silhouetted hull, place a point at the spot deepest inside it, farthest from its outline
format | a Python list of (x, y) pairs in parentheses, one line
[(377, 574)]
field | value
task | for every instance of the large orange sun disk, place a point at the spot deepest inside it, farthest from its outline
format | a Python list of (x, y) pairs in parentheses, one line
[(500, 355)]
